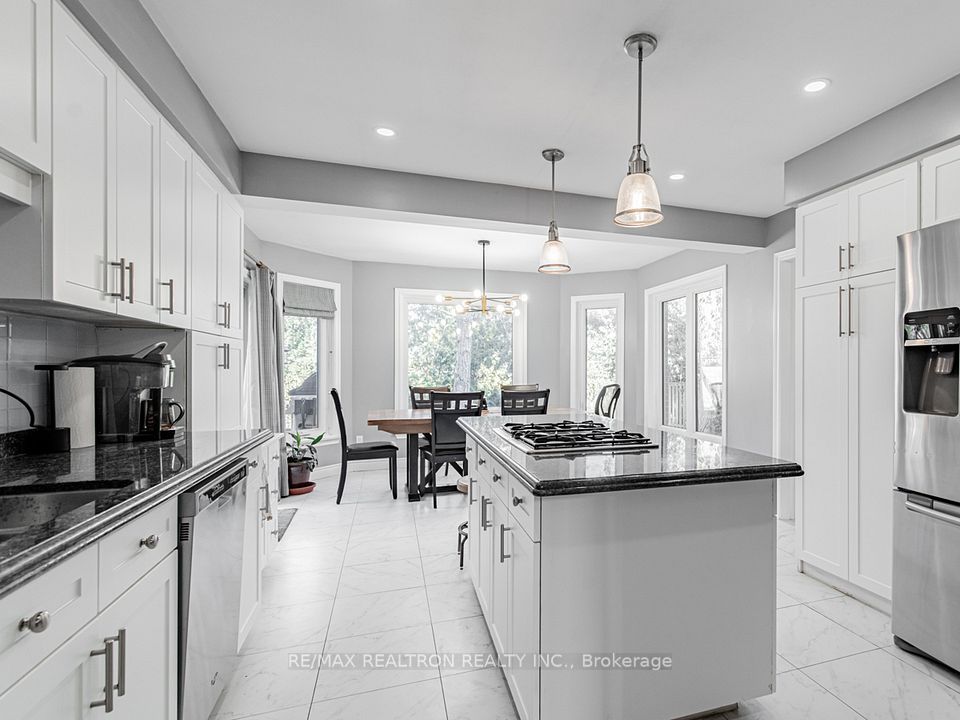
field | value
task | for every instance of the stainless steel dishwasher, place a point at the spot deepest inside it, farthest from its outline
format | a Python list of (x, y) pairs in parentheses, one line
[(211, 558)]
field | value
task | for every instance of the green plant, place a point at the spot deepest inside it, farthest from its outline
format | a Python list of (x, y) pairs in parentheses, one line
[(302, 449)]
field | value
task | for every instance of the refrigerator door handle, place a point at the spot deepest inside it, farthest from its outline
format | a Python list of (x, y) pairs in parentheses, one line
[(933, 513)]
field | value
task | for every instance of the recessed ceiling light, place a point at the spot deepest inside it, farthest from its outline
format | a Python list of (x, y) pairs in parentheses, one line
[(815, 86), (386, 132), (677, 176)]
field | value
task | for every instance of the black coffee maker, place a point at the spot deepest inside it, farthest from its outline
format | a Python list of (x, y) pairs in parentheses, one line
[(129, 394)]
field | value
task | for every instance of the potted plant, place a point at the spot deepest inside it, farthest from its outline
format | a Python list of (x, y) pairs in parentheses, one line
[(301, 459)]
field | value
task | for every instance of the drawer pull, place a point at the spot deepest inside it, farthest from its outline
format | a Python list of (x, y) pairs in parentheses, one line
[(503, 532), (37, 623), (276, 457), (483, 513), (254, 463), (496, 478), (481, 461), (150, 541), (517, 500)]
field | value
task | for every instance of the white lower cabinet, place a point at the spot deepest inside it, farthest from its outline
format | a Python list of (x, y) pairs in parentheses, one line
[(845, 410), (523, 593), (136, 635)]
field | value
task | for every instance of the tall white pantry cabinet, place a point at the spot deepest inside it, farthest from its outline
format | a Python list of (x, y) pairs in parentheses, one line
[(846, 345)]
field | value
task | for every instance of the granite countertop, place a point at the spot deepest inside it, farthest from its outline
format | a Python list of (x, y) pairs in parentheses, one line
[(110, 485), (679, 460)]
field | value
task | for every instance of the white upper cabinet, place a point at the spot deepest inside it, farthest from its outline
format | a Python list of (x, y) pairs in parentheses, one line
[(231, 263), (176, 172), (25, 132), (138, 201), (84, 182), (854, 232), (881, 209), (822, 238), (208, 314), (940, 186)]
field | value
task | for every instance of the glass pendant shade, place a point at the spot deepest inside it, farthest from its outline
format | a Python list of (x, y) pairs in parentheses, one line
[(553, 256), (638, 202)]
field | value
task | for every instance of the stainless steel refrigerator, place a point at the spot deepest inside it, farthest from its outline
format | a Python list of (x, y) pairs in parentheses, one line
[(926, 520)]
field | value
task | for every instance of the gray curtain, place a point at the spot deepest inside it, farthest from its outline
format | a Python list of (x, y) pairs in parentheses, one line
[(266, 360)]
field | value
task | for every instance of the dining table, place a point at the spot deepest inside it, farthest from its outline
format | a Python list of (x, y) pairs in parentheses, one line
[(414, 422)]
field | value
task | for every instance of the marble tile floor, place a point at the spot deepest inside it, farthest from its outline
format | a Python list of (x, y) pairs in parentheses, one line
[(378, 575)]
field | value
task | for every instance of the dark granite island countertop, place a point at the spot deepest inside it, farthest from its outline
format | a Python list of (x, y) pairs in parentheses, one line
[(124, 481), (680, 460)]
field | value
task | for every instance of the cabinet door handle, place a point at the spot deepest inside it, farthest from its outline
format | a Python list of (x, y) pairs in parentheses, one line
[(850, 309), (842, 249), (168, 285), (226, 356), (472, 498), (840, 312), (503, 532), (483, 513), (226, 311), (850, 247), (150, 542), (130, 289), (229, 315), (36, 623), (121, 662), (108, 687), (122, 295)]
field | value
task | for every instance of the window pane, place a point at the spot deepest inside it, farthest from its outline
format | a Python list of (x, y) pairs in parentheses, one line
[(710, 361), (601, 351), (300, 372), (675, 363), (465, 352)]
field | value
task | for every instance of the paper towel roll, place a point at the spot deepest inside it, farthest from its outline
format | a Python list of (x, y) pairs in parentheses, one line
[(73, 390)]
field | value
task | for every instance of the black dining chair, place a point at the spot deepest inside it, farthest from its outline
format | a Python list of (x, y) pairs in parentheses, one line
[(376, 450), (607, 400), (420, 400), (520, 388), (524, 403), (448, 442)]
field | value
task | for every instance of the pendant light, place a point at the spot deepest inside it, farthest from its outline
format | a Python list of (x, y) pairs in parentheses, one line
[(553, 256), (480, 301), (638, 202)]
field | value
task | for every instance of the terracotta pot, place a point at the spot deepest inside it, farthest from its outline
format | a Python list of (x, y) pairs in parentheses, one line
[(298, 473)]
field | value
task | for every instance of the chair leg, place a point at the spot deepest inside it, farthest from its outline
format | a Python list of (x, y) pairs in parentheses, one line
[(461, 541), (393, 475), (343, 479), (435, 470)]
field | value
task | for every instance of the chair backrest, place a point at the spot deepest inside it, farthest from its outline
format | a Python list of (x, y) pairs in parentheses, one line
[(520, 388), (343, 426), (446, 409), (607, 400), (420, 396), (524, 403)]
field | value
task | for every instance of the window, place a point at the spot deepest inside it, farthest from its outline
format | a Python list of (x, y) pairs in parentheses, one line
[(438, 347), (596, 346), (686, 351), (311, 359)]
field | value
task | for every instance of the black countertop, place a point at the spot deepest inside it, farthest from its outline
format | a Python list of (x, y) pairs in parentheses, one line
[(679, 460), (122, 481)]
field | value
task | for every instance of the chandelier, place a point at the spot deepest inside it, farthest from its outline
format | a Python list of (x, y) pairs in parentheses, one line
[(480, 302)]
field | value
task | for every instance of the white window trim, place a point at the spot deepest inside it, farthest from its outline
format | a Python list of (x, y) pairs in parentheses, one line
[(333, 435), (653, 348), (405, 296), (579, 304)]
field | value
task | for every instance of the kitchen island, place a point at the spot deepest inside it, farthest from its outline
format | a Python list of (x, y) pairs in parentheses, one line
[(637, 584)]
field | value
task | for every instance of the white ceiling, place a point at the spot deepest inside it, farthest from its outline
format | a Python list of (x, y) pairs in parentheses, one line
[(476, 89), (377, 236)]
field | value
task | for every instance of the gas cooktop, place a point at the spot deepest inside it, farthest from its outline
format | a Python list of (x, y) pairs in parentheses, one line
[(567, 437)]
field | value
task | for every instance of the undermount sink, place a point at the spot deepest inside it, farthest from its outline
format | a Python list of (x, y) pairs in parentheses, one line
[(19, 511)]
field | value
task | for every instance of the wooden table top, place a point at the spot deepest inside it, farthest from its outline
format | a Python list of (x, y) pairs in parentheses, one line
[(409, 421)]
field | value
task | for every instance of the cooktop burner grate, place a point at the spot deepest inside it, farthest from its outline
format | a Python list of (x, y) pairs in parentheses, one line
[(570, 436)]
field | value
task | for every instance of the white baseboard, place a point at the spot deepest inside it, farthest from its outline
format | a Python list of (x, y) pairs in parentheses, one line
[(846, 587)]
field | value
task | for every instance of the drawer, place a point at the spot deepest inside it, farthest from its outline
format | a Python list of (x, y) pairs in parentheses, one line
[(483, 466), (67, 592), (525, 507), (499, 479), (131, 551)]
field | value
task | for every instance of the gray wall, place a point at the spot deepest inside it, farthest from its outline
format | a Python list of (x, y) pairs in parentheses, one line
[(367, 304)]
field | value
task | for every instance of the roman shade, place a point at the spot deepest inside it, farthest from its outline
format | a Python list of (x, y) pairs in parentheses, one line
[(308, 301)]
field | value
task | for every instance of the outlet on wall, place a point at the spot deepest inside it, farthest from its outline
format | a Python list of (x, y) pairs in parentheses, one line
[(359, 438)]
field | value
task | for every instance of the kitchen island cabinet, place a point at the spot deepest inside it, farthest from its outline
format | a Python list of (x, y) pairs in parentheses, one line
[(663, 559)]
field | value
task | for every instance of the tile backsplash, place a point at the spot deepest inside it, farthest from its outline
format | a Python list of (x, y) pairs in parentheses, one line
[(26, 341)]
